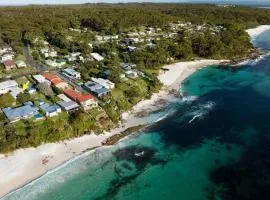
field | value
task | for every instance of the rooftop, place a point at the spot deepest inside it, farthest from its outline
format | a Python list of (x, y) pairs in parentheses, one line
[(24, 111), (68, 105), (49, 108), (8, 63), (8, 84), (97, 56), (78, 96)]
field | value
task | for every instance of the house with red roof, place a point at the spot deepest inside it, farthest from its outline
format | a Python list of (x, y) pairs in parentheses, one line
[(9, 64), (87, 101), (56, 80)]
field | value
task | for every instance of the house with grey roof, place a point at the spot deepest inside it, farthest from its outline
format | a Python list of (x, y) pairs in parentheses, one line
[(10, 86), (50, 110), (72, 74), (68, 106), (96, 89)]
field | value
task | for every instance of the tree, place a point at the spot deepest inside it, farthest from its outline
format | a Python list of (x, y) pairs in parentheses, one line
[(23, 97), (6, 100), (45, 89)]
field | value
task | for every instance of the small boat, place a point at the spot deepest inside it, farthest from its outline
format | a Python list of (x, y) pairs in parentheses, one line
[(139, 154)]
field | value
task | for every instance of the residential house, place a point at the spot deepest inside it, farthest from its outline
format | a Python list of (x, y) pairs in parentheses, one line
[(81, 58), (70, 73), (52, 53), (87, 101), (127, 41), (31, 89), (60, 62), (25, 111), (41, 79), (10, 86), (5, 49), (15, 92), (56, 81), (68, 106), (50, 110), (63, 97), (48, 52), (6, 86), (131, 48), (97, 57), (96, 89), (70, 58), (104, 82), (128, 66), (149, 30), (74, 56), (51, 63), (6, 57), (20, 64), (44, 50), (9, 64), (131, 74)]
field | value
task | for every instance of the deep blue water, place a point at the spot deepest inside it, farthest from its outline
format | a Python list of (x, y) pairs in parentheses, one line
[(214, 144)]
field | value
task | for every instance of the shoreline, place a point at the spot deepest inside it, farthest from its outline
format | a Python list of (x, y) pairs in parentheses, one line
[(255, 32), (27, 165)]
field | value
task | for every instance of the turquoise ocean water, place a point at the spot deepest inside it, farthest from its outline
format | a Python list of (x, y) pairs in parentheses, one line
[(212, 145)]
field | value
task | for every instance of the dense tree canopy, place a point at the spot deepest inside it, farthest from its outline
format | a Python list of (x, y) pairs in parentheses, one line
[(26, 23)]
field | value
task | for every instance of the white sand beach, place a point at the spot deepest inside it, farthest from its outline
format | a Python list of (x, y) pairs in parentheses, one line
[(25, 165), (254, 32), (178, 72)]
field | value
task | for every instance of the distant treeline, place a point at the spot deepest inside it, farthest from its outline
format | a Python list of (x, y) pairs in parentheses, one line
[(17, 24)]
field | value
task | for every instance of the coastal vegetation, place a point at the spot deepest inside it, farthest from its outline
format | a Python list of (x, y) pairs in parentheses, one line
[(181, 32), (20, 25)]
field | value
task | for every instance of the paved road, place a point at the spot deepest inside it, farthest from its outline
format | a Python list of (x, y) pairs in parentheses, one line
[(30, 60), (17, 76), (39, 68)]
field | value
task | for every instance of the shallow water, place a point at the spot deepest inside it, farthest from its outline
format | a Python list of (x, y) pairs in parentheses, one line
[(214, 144)]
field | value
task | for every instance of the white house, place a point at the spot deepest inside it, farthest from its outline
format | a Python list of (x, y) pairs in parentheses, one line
[(44, 50), (20, 64), (63, 97), (48, 52), (71, 73), (53, 53), (97, 56), (4, 50), (131, 74), (75, 54), (51, 63), (7, 57), (104, 82), (131, 48), (7, 85), (10, 86), (50, 110), (41, 79)]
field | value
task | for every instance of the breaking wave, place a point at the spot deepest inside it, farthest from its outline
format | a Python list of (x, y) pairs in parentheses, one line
[(201, 111), (253, 62), (189, 98)]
